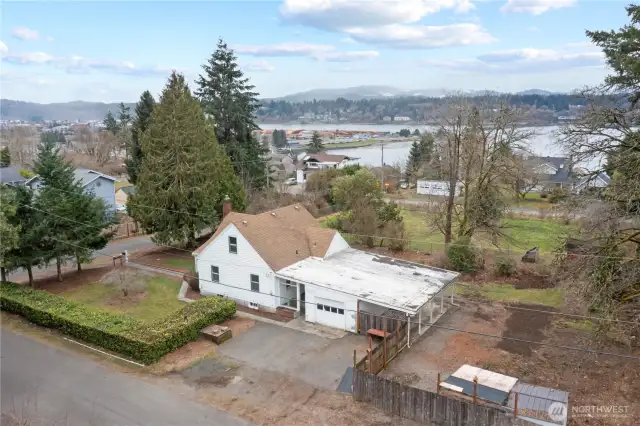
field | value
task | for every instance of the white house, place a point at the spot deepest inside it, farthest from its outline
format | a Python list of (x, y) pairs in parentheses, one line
[(276, 259), (436, 187), (311, 163), (99, 184), (601, 180)]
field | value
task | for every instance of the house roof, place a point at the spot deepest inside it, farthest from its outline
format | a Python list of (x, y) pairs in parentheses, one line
[(129, 190), (586, 179), (10, 175), (281, 237), (536, 400), (554, 161), (326, 158), (385, 281), (84, 176)]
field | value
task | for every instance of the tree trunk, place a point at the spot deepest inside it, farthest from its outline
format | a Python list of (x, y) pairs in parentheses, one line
[(3, 274), (59, 268), (448, 235), (78, 263), (30, 272)]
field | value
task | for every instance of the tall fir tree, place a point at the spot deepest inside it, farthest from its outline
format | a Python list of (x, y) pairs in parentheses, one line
[(185, 174), (316, 143), (228, 98), (95, 232), (9, 232), (141, 122), (57, 200), (124, 116), (414, 162), (5, 157), (110, 123), (30, 249)]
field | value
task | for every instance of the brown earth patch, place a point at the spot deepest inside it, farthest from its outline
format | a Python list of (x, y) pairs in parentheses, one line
[(526, 325), (239, 325), (72, 279), (185, 356)]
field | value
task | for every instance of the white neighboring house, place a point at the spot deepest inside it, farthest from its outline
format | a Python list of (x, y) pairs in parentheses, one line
[(601, 180), (101, 185), (311, 163), (272, 260), (436, 187)]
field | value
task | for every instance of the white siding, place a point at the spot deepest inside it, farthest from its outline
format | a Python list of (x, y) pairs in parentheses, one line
[(337, 244), (105, 189), (235, 271), (315, 295), (300, 176)]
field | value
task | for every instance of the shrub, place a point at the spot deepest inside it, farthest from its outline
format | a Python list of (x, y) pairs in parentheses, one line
[(558, 195), (463, 255), (146, 343), (543, 195), (504, 265), (26, 173)]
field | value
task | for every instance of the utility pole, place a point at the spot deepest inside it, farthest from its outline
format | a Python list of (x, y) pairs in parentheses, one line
[(382, 162)]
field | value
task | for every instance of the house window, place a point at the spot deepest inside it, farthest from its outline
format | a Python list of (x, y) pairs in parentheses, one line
[(233, 245), (215, 274), (253, 305), (255, 283)]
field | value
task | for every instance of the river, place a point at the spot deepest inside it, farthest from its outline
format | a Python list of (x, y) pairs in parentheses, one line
[(543, 143)]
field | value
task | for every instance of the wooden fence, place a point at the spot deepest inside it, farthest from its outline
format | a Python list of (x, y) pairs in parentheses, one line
[(426, 407), (379, 356), (385, 322), (126, 230)]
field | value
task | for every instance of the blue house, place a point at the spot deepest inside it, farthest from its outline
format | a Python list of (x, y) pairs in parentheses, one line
[(99, 184)]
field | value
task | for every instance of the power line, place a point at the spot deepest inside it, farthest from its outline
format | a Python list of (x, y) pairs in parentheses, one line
[(591, 351)]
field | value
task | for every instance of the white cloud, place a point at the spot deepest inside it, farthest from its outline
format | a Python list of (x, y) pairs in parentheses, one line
[(24, 33), (406, 36), (284, 49), (28, 58), (353, 56), (348, 40), (259, 66), (523, 61), (80, 65), (535, 7), (3, 48), (341, 14)]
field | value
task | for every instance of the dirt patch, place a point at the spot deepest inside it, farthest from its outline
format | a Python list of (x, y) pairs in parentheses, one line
[(526, 325), (239, 325), (191, 294), (173, 259), (73, 279), (185, 356)]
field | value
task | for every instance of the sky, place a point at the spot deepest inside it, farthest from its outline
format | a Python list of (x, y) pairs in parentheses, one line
[(113, 51)]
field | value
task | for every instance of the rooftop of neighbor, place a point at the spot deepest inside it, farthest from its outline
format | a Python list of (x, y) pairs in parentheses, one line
[(382, 280)]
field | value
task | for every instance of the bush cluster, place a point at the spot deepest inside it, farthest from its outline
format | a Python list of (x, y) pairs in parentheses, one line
[(464, 256), (144, 342), (504, 265)]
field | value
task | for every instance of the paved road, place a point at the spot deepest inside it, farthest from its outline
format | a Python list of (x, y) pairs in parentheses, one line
[(62, 388), (113, 248)]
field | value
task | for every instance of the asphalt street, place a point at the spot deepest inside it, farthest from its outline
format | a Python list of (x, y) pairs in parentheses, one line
[(50, 386)]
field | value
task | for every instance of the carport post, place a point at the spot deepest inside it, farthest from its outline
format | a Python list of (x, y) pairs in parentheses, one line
[(420, 321), (431, 311), (408, 331), (441, 302), (298, 296)]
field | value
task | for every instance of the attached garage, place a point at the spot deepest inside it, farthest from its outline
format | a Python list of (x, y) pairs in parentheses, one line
[(330, 313)]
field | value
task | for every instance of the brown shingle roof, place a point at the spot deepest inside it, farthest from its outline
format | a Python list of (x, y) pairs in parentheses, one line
[(282, 236)]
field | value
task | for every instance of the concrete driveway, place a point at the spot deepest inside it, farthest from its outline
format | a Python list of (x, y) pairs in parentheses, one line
[(318, 361)]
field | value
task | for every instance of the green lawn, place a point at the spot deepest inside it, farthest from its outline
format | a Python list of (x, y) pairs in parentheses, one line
[(179, 263), (160, 298), (121, 183), (522, 234), (506, 293)]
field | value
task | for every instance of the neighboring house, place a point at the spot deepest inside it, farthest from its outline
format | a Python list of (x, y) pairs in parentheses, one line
[(311, 163), (101, 185), (601, 180), (552, 172), (272, 260), (11, 176), (122, 194)]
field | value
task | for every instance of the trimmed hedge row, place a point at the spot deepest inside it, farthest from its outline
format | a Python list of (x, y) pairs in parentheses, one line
[(146, 343)]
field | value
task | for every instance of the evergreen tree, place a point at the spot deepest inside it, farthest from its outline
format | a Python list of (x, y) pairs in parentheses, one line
[(110, 123), (416, 132), (5, 157), (9, 232), (29, 252), (185, 174), (316, 143), (57, 200), (427, 143), (414, 162), (143, 111), (124, 116), (228, 98), (94, 233)]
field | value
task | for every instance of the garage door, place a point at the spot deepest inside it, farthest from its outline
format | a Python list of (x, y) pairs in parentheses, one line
[(330, 313)]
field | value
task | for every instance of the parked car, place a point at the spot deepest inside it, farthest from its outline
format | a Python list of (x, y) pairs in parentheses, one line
[(121, 208), (291, 181)]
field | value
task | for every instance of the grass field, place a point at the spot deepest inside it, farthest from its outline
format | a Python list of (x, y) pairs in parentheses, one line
[(521, 234), (121, 183), (153, 298), (506, 293), (179, 263)]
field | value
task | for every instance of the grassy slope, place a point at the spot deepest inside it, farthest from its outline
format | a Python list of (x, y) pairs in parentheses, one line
[(160, 300), (506, 293)]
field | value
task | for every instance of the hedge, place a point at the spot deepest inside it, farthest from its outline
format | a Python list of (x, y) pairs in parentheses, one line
[(146, 343)]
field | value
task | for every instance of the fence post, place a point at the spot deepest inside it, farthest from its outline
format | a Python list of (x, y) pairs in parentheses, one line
[(369, 357), (127, 229), (384, 346), (475, 386), (438, 384), (354, 359), (515, 405)]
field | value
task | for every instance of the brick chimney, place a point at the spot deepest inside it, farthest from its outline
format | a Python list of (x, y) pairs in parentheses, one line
[(227, 207)]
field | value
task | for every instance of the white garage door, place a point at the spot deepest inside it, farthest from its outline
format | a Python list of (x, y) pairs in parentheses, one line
[(331, 313)]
